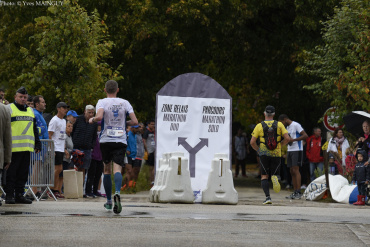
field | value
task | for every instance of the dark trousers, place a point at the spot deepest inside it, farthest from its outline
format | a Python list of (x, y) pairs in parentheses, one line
[(17, 174), (240, 163), (361, 188), (93, 176)]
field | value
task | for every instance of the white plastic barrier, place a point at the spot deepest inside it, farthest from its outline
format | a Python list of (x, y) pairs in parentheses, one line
[(220, 186), (162, 166), (173, 182), (73, 184)]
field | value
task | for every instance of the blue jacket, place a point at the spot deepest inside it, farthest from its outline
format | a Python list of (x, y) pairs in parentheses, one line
[(41, 125), (131, 145)]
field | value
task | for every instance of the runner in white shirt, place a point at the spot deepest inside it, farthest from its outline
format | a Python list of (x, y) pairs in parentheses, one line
[(57, 132), (112, 111), (295, 152)]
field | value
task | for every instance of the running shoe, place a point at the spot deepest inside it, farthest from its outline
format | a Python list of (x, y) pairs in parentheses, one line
[(267, 201), (297, 196), (58, 195), (90, 195), (117, 204), (275, 183), (108, 206), (292, 196)]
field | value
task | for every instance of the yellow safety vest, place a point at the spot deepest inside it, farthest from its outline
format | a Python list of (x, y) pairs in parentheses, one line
[(23, 138)]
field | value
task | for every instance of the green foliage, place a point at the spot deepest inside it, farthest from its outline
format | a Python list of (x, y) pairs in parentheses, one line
[(341, 64), (318, 172), (250, 47), (66, 60)]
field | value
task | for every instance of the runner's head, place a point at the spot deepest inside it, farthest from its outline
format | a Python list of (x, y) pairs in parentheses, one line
[(269, 112), (111, 87)]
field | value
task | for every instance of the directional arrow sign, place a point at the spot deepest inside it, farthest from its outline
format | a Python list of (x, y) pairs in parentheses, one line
[(192, 151)]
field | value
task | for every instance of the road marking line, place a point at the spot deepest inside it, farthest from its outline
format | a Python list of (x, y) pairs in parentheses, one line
[(361, 232)]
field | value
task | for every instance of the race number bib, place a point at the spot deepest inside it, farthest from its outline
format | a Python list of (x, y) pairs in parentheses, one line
[(62, 135), (114, 132)]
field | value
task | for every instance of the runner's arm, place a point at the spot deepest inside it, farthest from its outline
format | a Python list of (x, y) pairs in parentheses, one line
[(286, 139), (133, 120), (98, 116), (254, 145)]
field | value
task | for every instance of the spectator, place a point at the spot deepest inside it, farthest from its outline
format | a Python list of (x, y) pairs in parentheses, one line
[(314, 152), (2, 97), (140, 151), (30, 101), (361, 175), (57, 132), (338, 145), (25, 139), (333, 165), (71, 116), (364, 141), (95, 170), (241, 148), (67, 154), (5, 140), (131, 152), (295, 153), (84, 136), (149, 145), (39, 107)]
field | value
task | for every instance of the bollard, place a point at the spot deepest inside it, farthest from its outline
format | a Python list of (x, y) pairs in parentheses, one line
[(220, 185), (176, 183)]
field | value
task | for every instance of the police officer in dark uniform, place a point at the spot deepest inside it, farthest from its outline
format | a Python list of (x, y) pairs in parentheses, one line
[(25, 139)]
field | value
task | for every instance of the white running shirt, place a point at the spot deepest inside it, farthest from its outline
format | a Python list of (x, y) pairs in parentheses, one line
[(294, 130), (114, 119), (58, 126)]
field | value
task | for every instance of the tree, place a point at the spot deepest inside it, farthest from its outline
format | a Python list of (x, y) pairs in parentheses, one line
[(66, 60), (341, 64)]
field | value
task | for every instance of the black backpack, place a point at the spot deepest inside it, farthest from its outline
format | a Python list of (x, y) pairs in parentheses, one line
[(270, 135)]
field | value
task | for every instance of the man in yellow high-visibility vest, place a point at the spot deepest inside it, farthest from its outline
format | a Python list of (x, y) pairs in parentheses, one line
[(25, 139)]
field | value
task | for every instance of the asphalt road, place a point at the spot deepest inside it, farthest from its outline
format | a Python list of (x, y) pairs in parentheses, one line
[(85, 222)]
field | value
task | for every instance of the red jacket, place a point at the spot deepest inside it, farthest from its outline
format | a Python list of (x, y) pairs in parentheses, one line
[(313, 150)]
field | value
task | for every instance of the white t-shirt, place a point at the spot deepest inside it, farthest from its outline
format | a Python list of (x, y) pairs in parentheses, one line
[(114, 119), (294, 130), (58, 126)]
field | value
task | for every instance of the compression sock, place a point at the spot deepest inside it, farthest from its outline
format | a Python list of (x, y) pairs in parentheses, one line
[(107, 181), (266, 187), (118, 181)]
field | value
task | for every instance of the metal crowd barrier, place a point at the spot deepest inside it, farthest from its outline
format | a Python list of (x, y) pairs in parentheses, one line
[(41, 171)]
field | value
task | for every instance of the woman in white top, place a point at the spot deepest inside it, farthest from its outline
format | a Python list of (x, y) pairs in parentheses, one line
[(338, 144)]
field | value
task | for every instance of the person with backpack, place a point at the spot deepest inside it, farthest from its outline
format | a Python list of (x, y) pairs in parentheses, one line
[(295, 152), (272, 135)]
